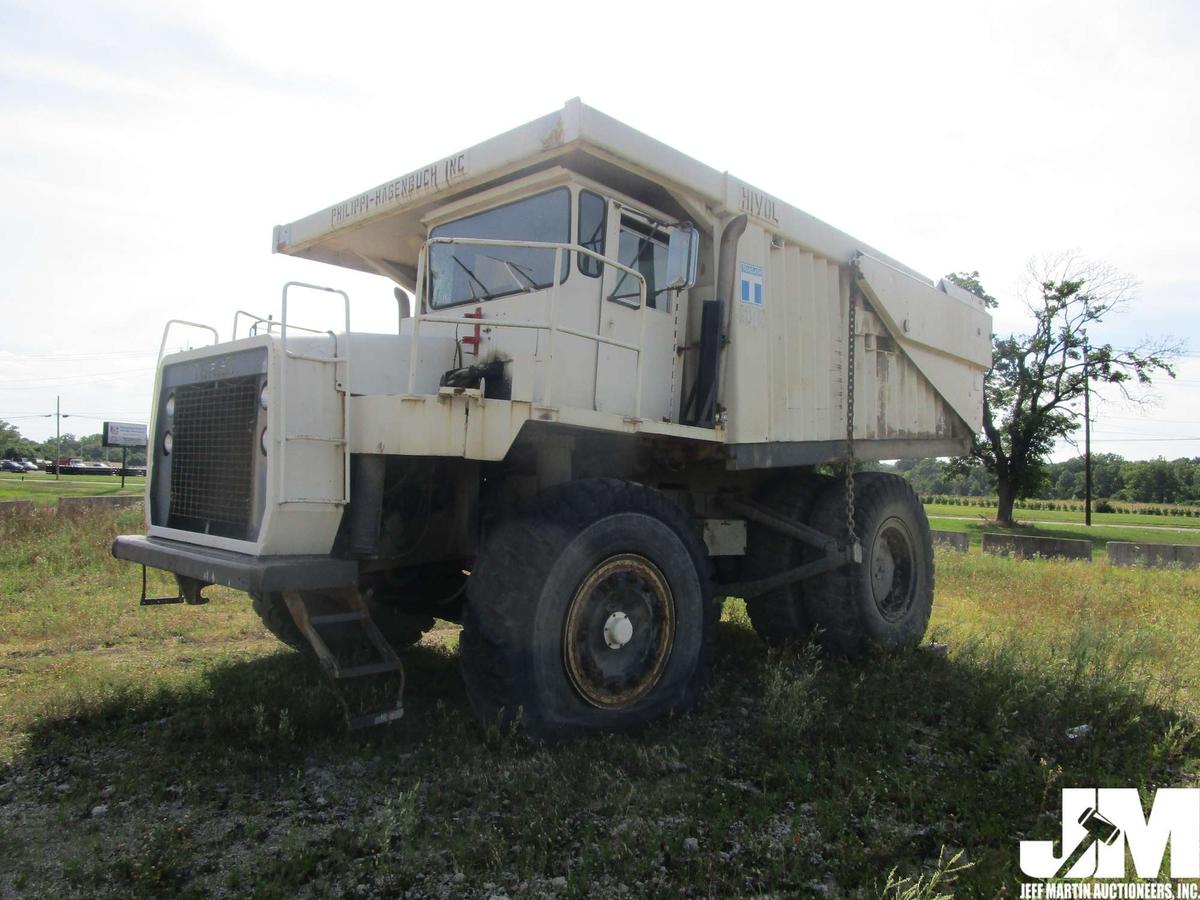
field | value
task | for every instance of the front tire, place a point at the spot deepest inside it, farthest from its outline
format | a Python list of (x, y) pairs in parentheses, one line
[(884, 602), (592, 610)]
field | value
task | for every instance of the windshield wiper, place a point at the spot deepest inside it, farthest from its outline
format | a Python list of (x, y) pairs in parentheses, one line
[(462, 265), (514, 270)]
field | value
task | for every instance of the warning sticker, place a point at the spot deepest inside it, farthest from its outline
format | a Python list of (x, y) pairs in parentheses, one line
[(752, 284)]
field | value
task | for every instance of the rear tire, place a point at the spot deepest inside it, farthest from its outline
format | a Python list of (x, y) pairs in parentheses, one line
[(592, 610), (781, 616), (884, 602)]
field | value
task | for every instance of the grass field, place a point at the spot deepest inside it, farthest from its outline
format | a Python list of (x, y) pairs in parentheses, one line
[(44, 490), (1066, 517), (180, 750), (1099, 536)]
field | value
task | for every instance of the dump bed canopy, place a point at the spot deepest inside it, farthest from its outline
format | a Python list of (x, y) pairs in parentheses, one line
[(380, 230)]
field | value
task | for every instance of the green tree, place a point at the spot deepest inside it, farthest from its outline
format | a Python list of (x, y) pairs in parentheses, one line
[(1106, 474), (1036, 378), (1153, 481), (1068, 485), (13, 445), (928, 476)]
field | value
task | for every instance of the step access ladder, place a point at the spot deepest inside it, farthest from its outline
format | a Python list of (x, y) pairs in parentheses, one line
[(353, 616), (340, 360)]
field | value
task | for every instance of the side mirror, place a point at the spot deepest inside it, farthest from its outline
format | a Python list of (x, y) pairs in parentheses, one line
[(403, 302), (683, 258)]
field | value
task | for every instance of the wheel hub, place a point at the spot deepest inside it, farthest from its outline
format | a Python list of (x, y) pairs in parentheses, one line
[(893, 569), (619, 630)]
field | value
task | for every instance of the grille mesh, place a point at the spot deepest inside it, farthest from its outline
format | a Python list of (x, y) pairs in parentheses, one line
[(212, 457)]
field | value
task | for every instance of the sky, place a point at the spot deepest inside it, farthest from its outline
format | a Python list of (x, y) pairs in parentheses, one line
[(149, 148)]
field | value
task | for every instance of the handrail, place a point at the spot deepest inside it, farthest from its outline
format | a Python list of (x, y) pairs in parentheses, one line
[(551, 324), (249, 315), (283, 323), (342, 384), (270, 323), (167, 329)]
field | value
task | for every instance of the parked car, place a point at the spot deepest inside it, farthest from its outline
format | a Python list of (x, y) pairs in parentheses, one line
[(30, 465), (11, 465), (68, 466)]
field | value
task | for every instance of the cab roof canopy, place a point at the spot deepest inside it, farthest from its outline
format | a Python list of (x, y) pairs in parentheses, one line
[(381, 229)]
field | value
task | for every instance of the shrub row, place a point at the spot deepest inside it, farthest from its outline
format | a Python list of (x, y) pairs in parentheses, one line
[(1100, 506)]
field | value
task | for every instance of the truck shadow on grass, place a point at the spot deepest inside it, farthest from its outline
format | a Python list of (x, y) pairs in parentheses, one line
[(799, 771)]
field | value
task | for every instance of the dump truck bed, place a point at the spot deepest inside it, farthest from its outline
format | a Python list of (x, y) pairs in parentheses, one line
[(378, 230)]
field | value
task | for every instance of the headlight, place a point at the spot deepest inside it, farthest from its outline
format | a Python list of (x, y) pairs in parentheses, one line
[(262, 441), (264, 396), (167, 441), (170, 407)]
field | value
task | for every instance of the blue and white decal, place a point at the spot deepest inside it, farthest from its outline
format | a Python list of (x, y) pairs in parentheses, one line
[(752, 284)]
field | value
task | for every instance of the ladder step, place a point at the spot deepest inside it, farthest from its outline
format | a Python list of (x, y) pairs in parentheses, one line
[(334, 618), (379, 718), (387, 662), (320, 438), (369, 669)]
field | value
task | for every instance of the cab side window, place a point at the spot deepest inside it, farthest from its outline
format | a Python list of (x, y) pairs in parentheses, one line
[(593, 222), (644, 248)]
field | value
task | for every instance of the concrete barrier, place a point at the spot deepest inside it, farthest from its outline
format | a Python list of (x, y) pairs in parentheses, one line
[(16, 507), (76, 505), (955, 540), (1027, 547), (1153, 556)]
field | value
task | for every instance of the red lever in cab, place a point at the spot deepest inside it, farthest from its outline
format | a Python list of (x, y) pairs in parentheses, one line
[(474, 340)]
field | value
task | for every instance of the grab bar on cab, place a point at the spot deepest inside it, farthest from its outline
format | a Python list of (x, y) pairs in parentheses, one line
[(162, 347)]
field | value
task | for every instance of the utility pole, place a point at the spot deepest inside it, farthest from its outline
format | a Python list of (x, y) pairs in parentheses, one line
[(1087, 445), (1087, 435), (58, 417), (57, 438)]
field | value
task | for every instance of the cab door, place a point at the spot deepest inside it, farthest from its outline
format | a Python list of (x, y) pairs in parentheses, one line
[(640, 243)]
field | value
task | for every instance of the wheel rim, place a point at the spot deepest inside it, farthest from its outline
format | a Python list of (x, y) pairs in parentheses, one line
[(619, 631), (893, 569)]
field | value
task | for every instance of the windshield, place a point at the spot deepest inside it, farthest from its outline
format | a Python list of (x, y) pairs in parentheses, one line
[(464, 273)]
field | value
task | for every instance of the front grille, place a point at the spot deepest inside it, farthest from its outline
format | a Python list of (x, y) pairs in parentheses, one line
[(212, 456)]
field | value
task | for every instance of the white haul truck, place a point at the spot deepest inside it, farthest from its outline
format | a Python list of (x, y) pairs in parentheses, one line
[(619, 385)]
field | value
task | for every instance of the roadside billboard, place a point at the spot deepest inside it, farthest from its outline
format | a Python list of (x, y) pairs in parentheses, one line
[(124, 434)]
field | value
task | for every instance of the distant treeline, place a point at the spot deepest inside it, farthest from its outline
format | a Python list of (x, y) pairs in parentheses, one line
[(1113, 478), (14, 445)]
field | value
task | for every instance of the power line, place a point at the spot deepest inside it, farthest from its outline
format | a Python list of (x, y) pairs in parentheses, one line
[(131, 421), (1139, 440), (29, 384), (1139, 433), (125, 417), (1148, 419), (77, 375), (6, 355)]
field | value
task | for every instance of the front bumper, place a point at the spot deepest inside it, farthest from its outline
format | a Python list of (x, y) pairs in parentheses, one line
[(256, 574)]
